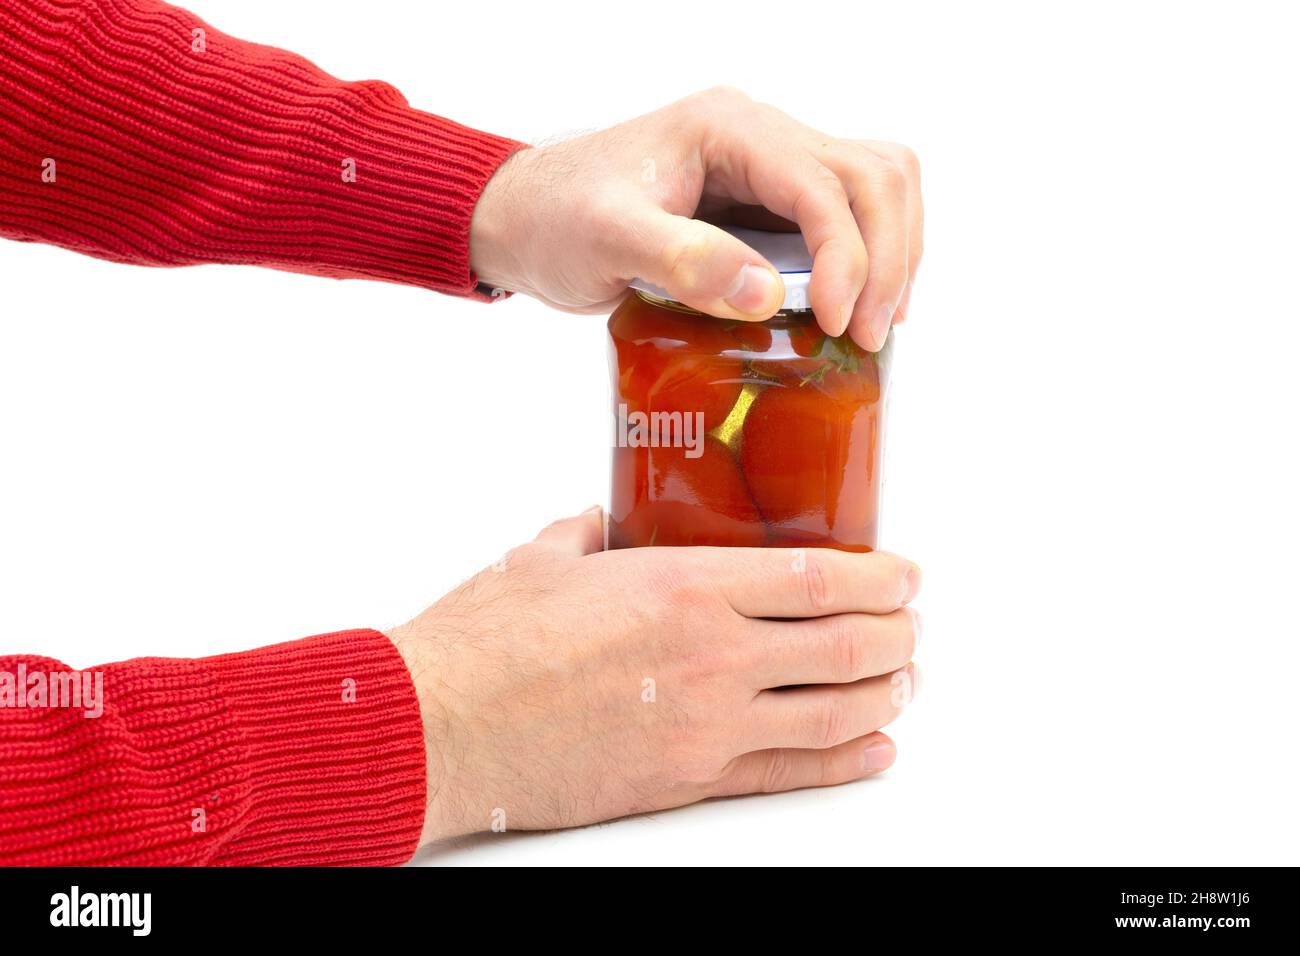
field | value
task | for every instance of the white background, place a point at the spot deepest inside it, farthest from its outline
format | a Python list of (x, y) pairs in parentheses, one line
[(1092, 443)]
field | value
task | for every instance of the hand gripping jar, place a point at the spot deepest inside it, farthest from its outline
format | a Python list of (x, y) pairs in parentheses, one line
[(744, 434)]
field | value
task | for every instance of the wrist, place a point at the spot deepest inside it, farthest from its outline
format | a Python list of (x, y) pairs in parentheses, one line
[(497, 226), (414, 647)]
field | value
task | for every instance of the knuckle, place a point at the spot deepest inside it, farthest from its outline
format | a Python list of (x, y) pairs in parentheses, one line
[(555, 525), (848, 655), (862, 153), (661, 576), (824, 773), (878, 169), (829, 722), (714, 99), (906, 158), (822, 188), (890, 175), (530, 557), (691, 246), (688, 611), (829, 182), (726, 93), (704, 661), (686, 599), (777, 772), (876, 154), (819, 591)]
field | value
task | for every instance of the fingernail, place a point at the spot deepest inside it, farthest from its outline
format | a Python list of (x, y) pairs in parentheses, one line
[(916, 679), (594, 509), (880, 325), (755, 291), (877, 756), (911, 584), (916, 624), (842, 320)]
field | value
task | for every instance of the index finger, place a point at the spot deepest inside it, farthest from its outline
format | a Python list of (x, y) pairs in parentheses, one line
[(813, 582)]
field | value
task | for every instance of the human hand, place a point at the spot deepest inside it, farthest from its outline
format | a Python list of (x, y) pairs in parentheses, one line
[(572, 224), (568, 685)]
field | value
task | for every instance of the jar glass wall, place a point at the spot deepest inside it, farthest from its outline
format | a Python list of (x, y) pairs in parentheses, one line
[(742, 434)]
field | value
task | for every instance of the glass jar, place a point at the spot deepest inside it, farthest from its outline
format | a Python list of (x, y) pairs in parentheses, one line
[(743, 434)]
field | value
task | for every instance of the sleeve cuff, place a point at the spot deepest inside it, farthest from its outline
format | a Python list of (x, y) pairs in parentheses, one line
[(332, 743), (309, 753)]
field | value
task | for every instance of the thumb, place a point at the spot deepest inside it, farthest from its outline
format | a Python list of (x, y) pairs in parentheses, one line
[(701, 266), (576, 536)]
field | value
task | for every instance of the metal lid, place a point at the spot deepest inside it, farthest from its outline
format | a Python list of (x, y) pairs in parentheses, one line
[(785, 250)]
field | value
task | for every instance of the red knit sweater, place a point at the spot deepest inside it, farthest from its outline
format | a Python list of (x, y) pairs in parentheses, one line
[(133, 131)]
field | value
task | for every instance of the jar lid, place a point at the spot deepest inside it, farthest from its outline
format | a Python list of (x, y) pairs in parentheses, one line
[(785, 250)]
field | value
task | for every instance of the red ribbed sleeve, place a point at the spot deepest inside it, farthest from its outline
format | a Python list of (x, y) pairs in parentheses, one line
[(305, 753), (133, 131)]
